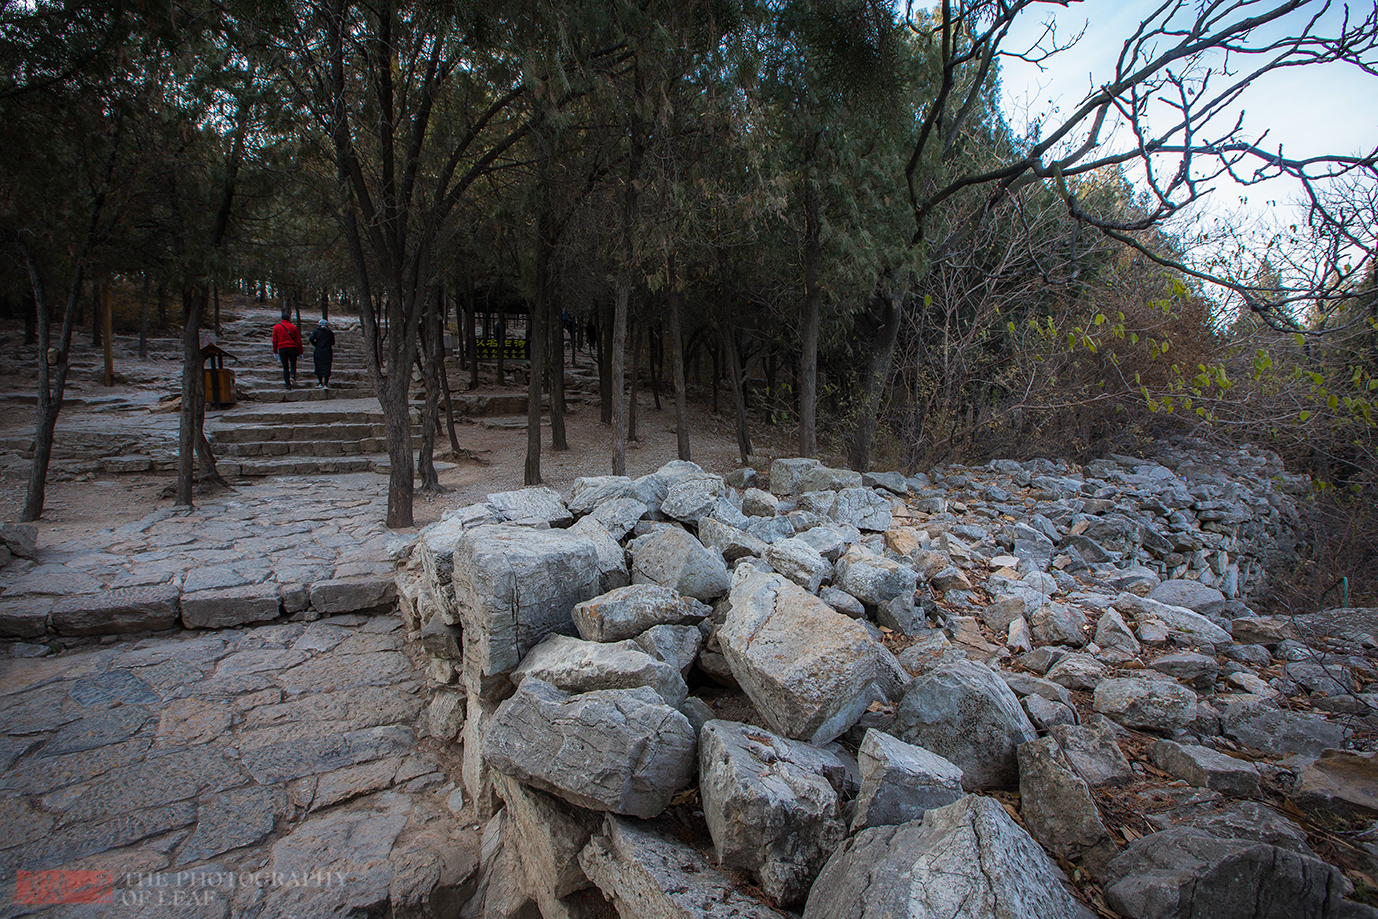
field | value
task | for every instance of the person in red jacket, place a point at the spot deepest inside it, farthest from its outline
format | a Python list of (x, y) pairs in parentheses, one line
[(287, 345)]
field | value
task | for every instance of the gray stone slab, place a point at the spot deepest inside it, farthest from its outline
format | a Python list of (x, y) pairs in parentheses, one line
[(114, 686), (285, 759), (98, 729), (231, 606), (53, 580), (25, 617), (354, 594), (129, 609), (233, 819)]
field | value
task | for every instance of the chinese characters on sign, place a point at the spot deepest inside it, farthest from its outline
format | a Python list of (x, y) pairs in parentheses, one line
[(513, 349), (45, 888)]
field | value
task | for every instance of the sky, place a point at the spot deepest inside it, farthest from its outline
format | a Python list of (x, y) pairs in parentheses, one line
[(1309, 111)]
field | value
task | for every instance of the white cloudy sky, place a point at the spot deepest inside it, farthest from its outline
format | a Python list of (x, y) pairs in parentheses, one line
[(1309, 111)]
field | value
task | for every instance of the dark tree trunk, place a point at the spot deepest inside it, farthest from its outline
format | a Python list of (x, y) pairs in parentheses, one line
[(813, 299), (559, 438), (618, 361), (605, 363), (655, 346), (677, 370), (431, 356), (634, 409), (191, 429), (878, 371), (734, 366), (143, 322), (536, 348), (715, 353), (500, 333), (470, 339)]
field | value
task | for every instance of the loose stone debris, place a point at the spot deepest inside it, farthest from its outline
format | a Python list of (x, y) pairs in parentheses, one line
[(822, 698), (1023, 689)]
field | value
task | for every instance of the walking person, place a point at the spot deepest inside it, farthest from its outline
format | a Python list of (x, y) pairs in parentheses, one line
[(286, 347), (323, 343)]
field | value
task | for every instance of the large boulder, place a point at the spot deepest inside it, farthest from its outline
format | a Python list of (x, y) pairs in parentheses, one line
[(863, 509), (901, 782), (809, 670), (672, 558), (1252, 721), (963, 711), (547, 836), (612, 560), (1056, 803), (628, 611), (1182, 873), (536, 506), (589, 492), (692, 497), (800, 562), (1188, 623), (651, 875), (1145, 704), (576, 666), (131, 609), (772, 805), (618, 750), (874, 579), (968, 859), (513, 586)]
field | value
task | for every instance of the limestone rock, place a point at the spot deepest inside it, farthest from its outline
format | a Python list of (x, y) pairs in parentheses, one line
[(576, 666), (863, 509), (772, 805), (589, 492), (968, 859), (619, 750), (612, 559), (785, 474), (1205, 768), (1056, 803), (1091, 750), (547, 835), (1263, 727), (874, 579), (1176, 618), (1341, 781), (1077, 671), (513, 587), (1183, 872), (628, 611), (1059, 624), (965, 712), (676, 645), (730, 541), (535, 505), (901, 782), (809, 670), (672, 558), (1113, 635), (1154, 705), (758, 503), (692, 497), (652, 875), (1196, 670), (1193, 595), (800, 562), (352, 595)]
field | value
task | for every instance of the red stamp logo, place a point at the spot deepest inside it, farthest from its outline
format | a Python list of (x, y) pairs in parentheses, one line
[(45, 888)]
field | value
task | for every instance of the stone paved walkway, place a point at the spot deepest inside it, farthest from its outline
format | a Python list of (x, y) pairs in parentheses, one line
[(280, 540), (270, 770)]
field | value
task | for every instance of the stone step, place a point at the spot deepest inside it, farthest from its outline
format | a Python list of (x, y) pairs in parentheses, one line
[(322, 465), (343, 430), (306, 448)]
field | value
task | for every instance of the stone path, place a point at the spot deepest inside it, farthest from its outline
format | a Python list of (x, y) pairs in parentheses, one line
[(278, 769), (280, 548), (273, 771)]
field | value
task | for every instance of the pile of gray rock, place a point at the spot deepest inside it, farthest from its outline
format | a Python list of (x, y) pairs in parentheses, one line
[(834, 672)]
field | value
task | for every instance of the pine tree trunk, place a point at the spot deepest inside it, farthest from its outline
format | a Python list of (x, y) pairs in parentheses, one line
[(677, 369), (734, 365), (878, 371)]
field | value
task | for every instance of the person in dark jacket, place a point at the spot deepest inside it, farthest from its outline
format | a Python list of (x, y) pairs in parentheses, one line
[(286, 347), (323, 340)]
